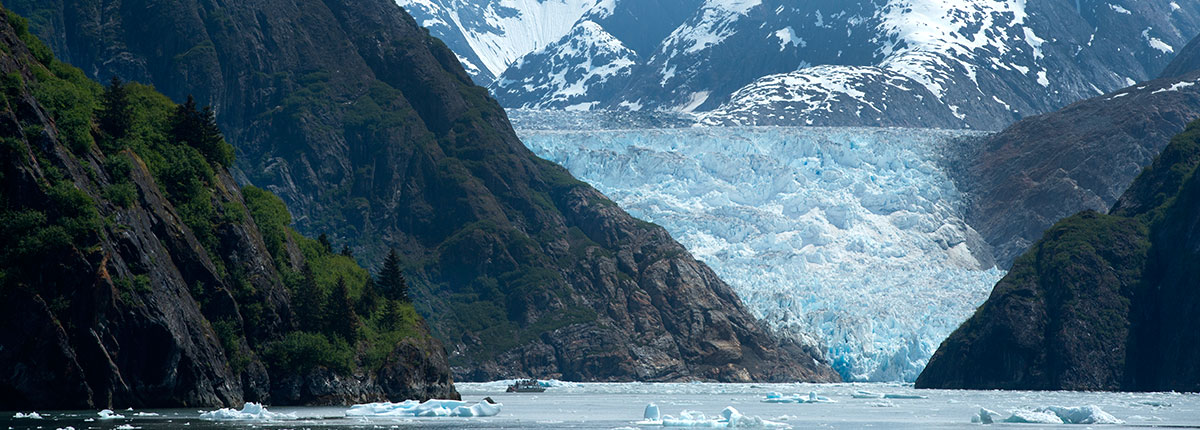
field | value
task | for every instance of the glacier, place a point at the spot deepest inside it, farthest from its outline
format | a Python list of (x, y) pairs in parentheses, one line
[(848, 238)]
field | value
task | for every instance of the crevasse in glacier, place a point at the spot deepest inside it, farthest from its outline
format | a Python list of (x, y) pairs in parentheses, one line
[(854, 235)]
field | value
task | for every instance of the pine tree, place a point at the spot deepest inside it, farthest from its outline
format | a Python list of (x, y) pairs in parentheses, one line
[(326, 246), (310, 302), (346, 252), (340, 318), (198, 129), (369, 300), (390, 320), (116, 114), (391, 278)]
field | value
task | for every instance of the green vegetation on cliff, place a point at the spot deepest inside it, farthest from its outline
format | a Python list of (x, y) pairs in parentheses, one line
[(154, 279), (1101, 302)]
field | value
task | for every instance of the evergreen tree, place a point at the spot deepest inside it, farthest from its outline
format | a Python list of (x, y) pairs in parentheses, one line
[(116, 114), (326, 246), (369, 300), (346, 252), (390, 320), (198, 129), (309, 301), (391, 278), (339, 314)]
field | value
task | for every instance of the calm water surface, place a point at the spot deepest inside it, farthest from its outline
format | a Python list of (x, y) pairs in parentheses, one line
[(617, 406)]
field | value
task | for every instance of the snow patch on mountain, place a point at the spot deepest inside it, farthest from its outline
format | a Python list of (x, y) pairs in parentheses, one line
[(498, 32), (852, 234), (715, 24), (586, 57)]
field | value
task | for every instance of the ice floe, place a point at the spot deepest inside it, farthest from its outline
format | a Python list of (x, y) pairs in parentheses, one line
[(31, 415), (250, 412), (1090, 414), (431, 408), (108, 414), (812, 397), (728, 418)]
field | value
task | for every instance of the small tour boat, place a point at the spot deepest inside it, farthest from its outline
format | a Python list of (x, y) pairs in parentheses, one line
[(526, 386)]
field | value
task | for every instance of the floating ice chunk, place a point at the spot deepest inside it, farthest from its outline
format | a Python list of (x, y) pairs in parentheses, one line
[(63, 428), (431, 408), (985, 416), (31, 415), (774, 397), (814, 398), (126, 427), (729, 418), (652, 413), (1090, 414), (1034, 417), (145, 414), (904, 396), (250, 412), (108, 414), (866, 395)]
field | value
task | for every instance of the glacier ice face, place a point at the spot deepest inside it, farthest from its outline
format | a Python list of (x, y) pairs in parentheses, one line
[(852, 234)]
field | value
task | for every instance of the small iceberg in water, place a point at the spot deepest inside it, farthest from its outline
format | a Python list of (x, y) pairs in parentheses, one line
[(1090, 414), (250, 412), (30, 416), (431, 408), (812, 397), (729, 418), (108, 414)]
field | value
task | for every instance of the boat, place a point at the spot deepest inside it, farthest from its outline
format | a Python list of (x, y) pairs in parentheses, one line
[(526, 386)]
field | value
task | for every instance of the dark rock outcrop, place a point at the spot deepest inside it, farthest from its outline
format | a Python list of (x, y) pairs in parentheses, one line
[(1044, 168), (111, 298), (371, 131), (1101, 302)]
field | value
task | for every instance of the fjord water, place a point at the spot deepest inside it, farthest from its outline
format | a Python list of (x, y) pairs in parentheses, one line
[(853, 236), (620, 405)]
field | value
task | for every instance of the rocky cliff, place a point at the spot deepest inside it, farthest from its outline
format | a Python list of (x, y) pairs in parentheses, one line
[(1047, 167), (1101, 302), (134, 274), (371, 132)]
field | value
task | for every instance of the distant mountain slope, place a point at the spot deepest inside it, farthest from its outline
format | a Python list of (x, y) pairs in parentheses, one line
[(1101, 302), (980, 64), (1050, 166), (489, 35), (136, 273), (371, 132)]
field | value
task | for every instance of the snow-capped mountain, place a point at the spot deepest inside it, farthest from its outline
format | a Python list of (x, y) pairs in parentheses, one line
[(971, 63), (854, 234), (489, 35)]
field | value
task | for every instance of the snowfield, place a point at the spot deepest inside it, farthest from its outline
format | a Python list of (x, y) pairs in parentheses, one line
[(853, 235)]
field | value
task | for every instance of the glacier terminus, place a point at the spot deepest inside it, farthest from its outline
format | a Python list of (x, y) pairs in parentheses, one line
[(852, 235)]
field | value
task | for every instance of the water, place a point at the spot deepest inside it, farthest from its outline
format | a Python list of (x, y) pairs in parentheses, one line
[(612, 406)]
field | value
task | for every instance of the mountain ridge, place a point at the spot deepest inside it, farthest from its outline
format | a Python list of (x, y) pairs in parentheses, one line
[(381, 141)]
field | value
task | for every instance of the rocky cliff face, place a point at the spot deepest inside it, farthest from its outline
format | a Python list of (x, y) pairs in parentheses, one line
[(1047, 167), (116, 290), (372, 132), (1101, 302)]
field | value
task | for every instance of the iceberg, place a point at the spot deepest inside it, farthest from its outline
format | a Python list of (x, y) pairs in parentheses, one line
[(728, 418), (431, 408), (1090, 414), (850, 239), (652, 413), (812, 397), (250, 412), (108, 414), (31, 416)]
